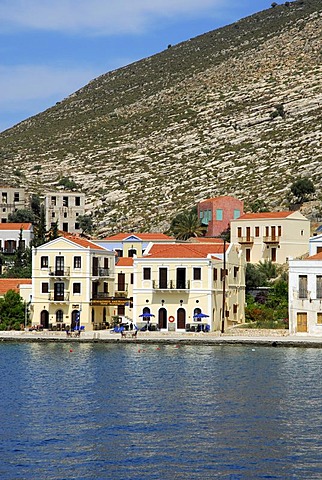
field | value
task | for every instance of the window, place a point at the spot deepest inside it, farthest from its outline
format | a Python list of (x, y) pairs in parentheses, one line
[(44, 287), (201, 214), (146, 273), (247, 251), (76, 226), (223, 273), (65, 214), (76, 288), (77, 201), (256, 231), (302, 233), (279, 231), (132, 278), (235, 308), (16, 197), (65, 201), (319, 286), (43, 262), (236, 269), (319, 318), (215, 275), (302, 286), (132, 252), (236, 213), (53, 201), (267, 231), (59, 316), (53, 214), (77, 262), (119, 252), (219, 214), (197, 273), (65, 227), (239, 232)]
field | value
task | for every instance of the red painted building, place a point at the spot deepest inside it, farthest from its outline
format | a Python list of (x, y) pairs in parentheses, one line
[(217, 213)]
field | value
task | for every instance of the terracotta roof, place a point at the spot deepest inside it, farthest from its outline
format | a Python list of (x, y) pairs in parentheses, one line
[(125, 262), (254, 216), (317, 256), (83, 242), (7, 284), (205, 240), (15, 226), (184, 250), (142, 236)]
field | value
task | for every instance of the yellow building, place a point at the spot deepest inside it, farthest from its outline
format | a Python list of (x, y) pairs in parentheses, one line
[(73, 284), (185, 286), (124, 286), (275, 236)]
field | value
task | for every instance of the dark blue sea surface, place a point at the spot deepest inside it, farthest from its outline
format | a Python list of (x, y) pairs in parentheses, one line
[(92, 411)]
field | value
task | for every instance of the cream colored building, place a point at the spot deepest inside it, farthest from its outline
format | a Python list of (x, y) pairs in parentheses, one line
[(175, 282), (64, 208), (275, 236), (73, 284)]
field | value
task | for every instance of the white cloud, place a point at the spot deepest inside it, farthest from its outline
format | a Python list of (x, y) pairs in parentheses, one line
[(99, 17)]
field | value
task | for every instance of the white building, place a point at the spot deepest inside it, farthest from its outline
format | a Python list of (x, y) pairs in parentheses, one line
[(305, 295)]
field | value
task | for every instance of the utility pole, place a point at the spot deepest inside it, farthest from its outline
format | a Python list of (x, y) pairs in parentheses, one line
[(223, 312)]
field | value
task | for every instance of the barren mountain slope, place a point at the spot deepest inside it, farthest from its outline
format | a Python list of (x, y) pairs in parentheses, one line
[(235, 111)]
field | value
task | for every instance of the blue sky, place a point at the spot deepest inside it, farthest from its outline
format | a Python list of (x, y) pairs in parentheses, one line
[(51, 48)]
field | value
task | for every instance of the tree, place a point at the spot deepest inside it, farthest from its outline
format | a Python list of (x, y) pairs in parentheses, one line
[(67, 183), (85, 223), (302, 189), (12, 311), (35, 205), (186, 225), (21, 216), (40, 229), (53, 231), (258, 206)]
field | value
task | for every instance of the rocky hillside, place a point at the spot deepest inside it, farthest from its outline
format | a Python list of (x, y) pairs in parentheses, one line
[(235, 111)]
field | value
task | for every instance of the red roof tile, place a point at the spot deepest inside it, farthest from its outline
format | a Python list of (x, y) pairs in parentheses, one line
[(7, 284), (15, 226), (125, 262), (142, 236), (317, 256), (185, 250), (205, 240), (254, 216), (83, 242)]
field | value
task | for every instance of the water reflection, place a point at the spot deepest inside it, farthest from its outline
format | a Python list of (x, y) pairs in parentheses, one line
[(145, 412)]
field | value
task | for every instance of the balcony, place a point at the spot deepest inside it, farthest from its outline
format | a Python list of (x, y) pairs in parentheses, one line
[(101, 272), (58, 298), (271, 239), (8, 251), (171, 285), (58, 272), (100, 296), (121, 290), (246, 240)]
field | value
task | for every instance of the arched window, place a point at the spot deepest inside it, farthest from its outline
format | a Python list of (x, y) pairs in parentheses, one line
[(132, 252)]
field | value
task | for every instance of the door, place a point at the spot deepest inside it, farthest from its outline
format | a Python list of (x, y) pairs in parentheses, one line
[(273, 233), (121, 282), (181, 319), (59, 266), (162, 320), (95, 267), (59, 291), (301, 321), (248, 234), (273, 252), (181, 278), (163, 277), (44, 319)]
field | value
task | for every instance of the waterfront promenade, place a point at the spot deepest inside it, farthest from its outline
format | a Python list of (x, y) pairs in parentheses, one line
[(275, 338)]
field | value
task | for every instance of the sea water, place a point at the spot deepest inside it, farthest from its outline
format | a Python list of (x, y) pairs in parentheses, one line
[(95, 411)]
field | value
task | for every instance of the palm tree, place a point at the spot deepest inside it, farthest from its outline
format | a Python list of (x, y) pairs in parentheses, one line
[(186, 224)]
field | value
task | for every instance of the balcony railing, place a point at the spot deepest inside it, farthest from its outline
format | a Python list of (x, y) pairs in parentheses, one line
[(171, 285), (101, 272), (54, 297), (100, 296), (246, 240), (271, 239), (58, 272), (121, 290), (8, 251)]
